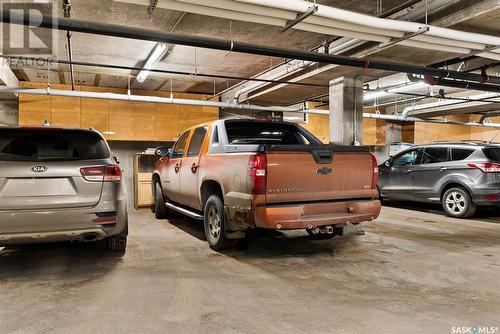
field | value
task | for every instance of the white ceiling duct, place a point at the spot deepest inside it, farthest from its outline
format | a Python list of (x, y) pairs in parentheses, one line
[(279, 12), (301, 6)]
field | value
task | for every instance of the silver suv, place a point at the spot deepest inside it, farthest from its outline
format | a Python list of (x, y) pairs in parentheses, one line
[(460, 175), (60, 184)]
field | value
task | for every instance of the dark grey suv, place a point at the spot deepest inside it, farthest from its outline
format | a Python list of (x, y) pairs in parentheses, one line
[(460, 175)]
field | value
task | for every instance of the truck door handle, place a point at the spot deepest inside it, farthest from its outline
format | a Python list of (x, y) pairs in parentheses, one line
[(177, 167), (194, 168), (407, 171), (442, 169)]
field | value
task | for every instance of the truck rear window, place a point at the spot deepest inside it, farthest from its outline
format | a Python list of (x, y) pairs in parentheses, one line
[(51, 145), (492, 153), (252, 132)]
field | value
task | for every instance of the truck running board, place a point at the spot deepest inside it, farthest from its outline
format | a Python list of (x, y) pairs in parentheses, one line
[(186, 212)]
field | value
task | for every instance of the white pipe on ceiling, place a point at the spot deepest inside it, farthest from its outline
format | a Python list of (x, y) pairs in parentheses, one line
[(439, 121), (442, 103), (151, 99), (231, 105)]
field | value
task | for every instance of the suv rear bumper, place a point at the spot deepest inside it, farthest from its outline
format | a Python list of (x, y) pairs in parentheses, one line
[(486, 195), (310, 215), (24, 227)]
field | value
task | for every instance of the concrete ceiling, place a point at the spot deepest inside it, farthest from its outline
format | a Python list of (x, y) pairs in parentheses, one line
[(125, 52)]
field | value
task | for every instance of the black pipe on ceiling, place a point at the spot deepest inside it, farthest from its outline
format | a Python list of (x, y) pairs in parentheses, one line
[(398, 8), (135, 68), (465, 85), (229, 45), (430, 80)]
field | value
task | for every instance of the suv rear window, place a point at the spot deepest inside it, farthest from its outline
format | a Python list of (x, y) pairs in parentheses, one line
[(51, 145), (253, 132), (492, 153), (460, 153)]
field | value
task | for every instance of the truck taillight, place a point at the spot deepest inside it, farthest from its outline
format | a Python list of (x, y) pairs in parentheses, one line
[(257, 169), (110, 173), (486, 167), (375, 171)]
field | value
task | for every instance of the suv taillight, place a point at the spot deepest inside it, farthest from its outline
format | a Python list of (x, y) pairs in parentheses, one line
[(375, 172), (257, 169), (486, 167), (112, 173)]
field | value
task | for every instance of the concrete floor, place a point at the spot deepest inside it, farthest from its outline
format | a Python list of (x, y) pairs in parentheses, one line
[(413, 272)]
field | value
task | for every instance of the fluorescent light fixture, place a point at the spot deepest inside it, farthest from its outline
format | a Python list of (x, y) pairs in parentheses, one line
[(154, 58)]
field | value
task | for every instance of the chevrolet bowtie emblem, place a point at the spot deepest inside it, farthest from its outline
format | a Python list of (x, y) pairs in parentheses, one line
[(324, 171)]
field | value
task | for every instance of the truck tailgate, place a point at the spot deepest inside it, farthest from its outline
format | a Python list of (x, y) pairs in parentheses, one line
[(302, 176)]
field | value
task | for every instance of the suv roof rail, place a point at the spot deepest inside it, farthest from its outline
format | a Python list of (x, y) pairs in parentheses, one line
[(458, 142)]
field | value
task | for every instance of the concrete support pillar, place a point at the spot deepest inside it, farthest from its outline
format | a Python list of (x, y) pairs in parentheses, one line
[(346, 111)]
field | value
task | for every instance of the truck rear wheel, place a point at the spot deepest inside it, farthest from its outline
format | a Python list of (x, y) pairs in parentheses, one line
[(215, 225), (161, 211)]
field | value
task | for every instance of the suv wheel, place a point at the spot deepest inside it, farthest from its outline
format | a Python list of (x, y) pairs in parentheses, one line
[(215, 227), (161, 211), (458, 203), (117, 244)]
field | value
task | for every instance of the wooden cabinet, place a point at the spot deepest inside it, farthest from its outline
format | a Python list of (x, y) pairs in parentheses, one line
[(373, 132), (116, 119), (143, 171), (34, 109)]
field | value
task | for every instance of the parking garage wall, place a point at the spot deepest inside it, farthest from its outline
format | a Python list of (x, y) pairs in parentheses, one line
[(125, 152), (9, 112)]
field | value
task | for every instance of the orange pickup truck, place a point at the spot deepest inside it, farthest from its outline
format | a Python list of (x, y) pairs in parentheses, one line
[(238, 174)]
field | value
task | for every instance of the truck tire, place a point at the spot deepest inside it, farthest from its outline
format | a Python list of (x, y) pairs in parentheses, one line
[(161, 211), (215, 226), (458, 203)]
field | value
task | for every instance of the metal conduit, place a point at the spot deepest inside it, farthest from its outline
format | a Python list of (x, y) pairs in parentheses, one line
[(231, 105), (153, 99), (229, 45), (415, 119)]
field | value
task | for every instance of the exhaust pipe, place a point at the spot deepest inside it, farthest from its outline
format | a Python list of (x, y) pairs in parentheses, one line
[(89, 237)]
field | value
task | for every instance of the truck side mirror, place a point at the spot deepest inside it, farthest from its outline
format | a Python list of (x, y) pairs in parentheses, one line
[(162, 151)]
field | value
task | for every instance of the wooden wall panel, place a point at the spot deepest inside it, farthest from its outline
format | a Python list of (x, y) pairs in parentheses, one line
[(430, 132), (95, 114), (127, 120), (167, 121), (318, 126), (65, 111), (34, 109), (132, 120), (373, 132), (408, 133)]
